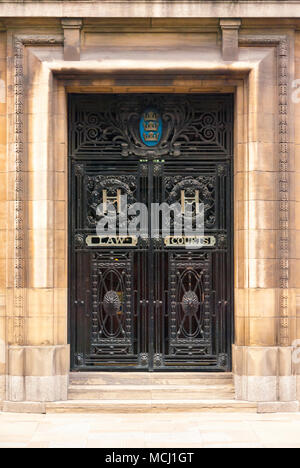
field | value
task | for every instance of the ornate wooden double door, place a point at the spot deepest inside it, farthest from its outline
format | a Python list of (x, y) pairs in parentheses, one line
[(150, 301)]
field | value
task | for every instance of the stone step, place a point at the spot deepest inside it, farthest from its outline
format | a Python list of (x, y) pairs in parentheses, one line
[(146, 378), (150, 406), (151, 392)]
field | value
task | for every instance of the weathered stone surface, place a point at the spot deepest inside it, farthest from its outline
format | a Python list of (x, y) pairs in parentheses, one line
[(23, 407), (278, 407), (230, 39), (159, 9)]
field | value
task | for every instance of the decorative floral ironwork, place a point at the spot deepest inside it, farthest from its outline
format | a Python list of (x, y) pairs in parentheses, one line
[(190, 302), (95, 185), (205, 186), (111, 303), (111, 314)]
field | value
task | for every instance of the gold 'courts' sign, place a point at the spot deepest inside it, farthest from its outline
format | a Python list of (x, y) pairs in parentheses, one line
[(190, 241)]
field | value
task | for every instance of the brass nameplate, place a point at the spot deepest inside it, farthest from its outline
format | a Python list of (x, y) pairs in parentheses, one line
[(111, 241), (190, 241)]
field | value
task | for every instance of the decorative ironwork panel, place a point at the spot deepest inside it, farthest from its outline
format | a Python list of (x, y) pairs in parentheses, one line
[(147, 302), (189, 303), (204, 186), (152, 126)]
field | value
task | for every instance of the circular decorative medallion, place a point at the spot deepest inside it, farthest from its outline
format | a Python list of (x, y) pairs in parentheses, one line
[(150, 127), (111, 303), (190, 302)]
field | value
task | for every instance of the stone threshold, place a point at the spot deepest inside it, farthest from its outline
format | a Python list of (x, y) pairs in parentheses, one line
[(149, 406), (129, 406)]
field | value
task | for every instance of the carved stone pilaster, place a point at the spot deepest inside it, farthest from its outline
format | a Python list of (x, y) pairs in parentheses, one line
[(19, 205), (19, 272), (282, 44)]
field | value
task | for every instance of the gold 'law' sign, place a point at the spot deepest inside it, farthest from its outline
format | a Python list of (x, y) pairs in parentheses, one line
[(108, 241), (190, 241)]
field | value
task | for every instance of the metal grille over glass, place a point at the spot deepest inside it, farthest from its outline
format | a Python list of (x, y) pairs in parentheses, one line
[(150, 303)]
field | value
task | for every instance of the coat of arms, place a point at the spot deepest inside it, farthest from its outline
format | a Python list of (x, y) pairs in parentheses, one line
[(150, 127)]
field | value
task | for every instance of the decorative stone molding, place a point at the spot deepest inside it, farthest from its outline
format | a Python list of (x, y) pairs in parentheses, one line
[(230, 38), (19, 273), (72, 28), (282, 44)]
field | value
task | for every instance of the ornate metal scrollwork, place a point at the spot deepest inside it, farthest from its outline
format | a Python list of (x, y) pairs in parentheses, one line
[(79, 240), (144, 169), (148, 302), (79, 169), (79, 359), (185, 126), (157, 360), (174, 185), (144, 359), (222, 360), (157, 169), (222, 241), (126, 185)]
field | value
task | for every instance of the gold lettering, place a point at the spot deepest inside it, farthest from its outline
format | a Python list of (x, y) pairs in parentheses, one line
[(103, 241), (208, 241)]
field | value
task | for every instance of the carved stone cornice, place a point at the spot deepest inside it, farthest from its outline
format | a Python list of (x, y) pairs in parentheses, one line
[(281, 42)]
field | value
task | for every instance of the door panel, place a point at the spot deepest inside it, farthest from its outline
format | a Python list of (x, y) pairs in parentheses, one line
[(150, 303)]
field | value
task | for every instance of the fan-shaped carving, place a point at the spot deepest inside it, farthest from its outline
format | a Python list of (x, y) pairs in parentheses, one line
[(111, 303), (190, 302)]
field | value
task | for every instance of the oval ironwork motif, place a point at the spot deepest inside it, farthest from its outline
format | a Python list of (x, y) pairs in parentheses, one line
[(151, 127)]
